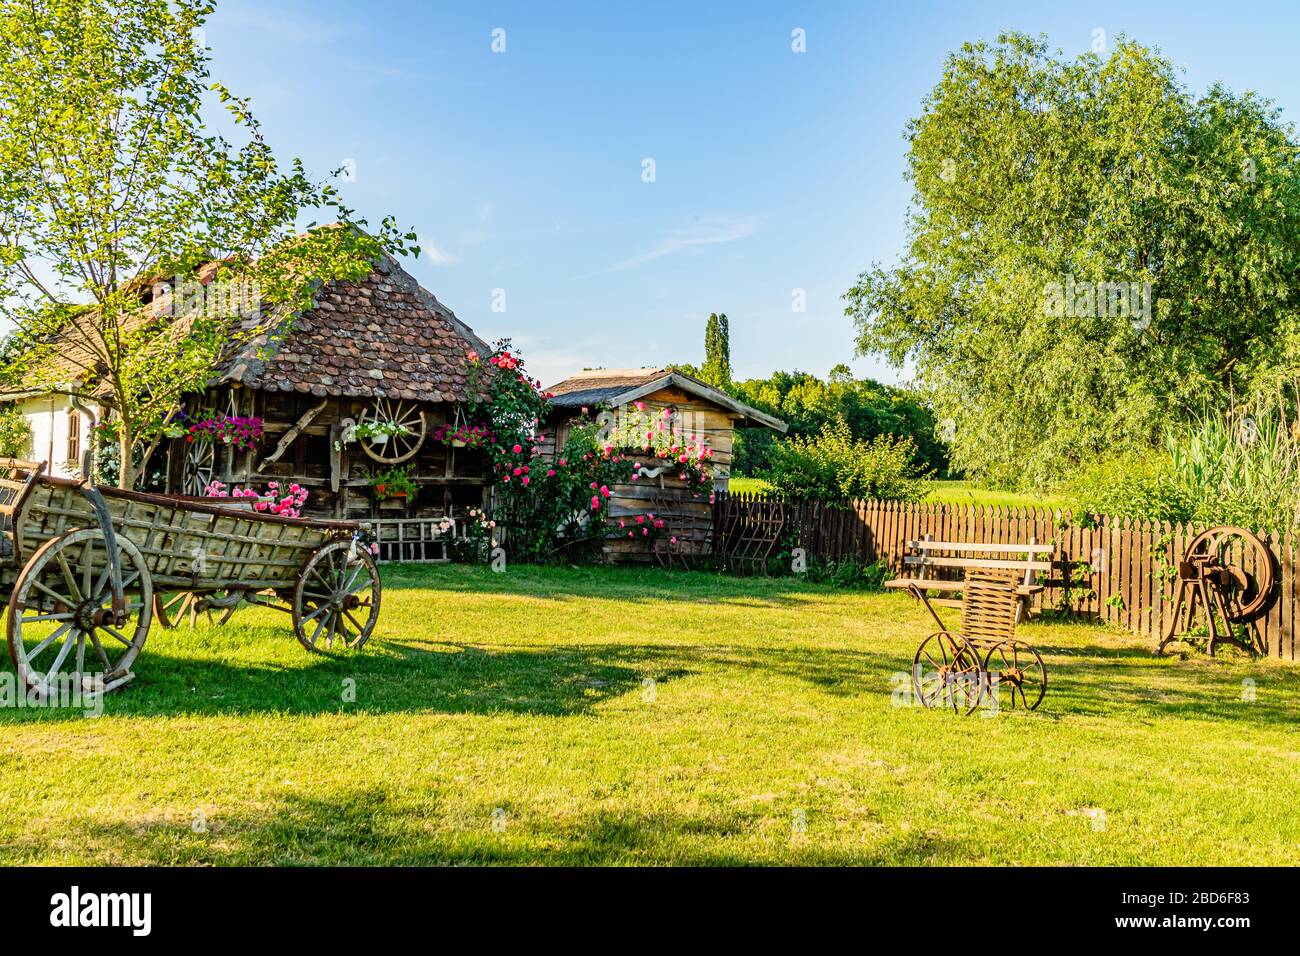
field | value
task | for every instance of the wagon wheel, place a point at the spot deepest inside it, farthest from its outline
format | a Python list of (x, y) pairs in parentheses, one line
[(177, 607), (337, 596), (1226, 548), (1016, 674), (62, 625), (947, 673), (200, 467), (398, 448)]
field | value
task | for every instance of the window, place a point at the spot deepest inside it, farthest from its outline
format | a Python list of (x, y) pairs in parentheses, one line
[(74, 439)]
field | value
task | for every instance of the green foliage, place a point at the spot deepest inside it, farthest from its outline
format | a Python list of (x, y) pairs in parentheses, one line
[(543, 509), (114, 182), (1031, 170), (717, 351), (807, 404), (14, 433), (1131, 485), (849, 573), (1237, 468), (393, 482), (834, 465)]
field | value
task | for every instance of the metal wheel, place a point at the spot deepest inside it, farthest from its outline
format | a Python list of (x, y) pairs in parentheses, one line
[(946, 673), (1017, 676), (200, 467), (1223, 550), (336, 597), (63, 629), (184, 607), (398, 448)]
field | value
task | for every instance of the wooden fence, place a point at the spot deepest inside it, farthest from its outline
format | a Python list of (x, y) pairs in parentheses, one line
[(1118, 570)]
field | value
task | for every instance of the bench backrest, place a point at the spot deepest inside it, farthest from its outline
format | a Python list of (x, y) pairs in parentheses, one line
[(970, 555)]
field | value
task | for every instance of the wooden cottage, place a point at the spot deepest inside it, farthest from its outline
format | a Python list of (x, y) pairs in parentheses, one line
[(383, 351), (317, 385), (691, 408)]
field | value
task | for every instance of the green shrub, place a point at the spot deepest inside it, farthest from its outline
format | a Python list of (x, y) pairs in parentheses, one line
[(833, 465), (849, 573), (1130, 486), (14, 434)]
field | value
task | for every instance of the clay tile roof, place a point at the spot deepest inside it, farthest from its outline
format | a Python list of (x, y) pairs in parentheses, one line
[(384, 336)]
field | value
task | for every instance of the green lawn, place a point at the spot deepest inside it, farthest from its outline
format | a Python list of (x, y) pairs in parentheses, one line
[(941, 492), (511, 718), (968, 493)]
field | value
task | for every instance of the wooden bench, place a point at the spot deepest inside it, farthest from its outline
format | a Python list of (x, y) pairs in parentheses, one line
[(1016, 563)]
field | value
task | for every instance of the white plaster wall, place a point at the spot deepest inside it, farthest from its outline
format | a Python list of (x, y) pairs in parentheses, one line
[(47, 417)]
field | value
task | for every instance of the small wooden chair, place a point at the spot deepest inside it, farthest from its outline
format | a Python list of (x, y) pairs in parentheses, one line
[(957, 669)]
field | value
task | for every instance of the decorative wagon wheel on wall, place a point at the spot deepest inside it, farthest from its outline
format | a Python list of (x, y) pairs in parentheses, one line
[(200, 467), (64, 625), (394, 449), (337, 597)]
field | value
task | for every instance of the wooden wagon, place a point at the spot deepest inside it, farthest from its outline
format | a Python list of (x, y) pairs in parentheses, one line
[(81, 565)]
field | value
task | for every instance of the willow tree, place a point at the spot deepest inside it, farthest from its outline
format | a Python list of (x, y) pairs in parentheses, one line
[(114, 178), (1092, 249)]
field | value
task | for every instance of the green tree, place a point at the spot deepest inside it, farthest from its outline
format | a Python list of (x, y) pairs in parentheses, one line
[(1047, 190), (717, 351), (808, 403), (833, 465), (112, 179)]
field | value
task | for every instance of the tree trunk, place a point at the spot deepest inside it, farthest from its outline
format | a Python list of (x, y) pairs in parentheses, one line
[(126, 473)]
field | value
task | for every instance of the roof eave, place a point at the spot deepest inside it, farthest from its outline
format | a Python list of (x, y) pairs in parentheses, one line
[(703, 391)]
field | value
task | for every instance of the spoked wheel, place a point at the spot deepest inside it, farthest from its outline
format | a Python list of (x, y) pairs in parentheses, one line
[(409, 417), (1017, 676), (946, 673), (200, 467), (336, 597), (183, 607), (1239, 566), (63, 630)]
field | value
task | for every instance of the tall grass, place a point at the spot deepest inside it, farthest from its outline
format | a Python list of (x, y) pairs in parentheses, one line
[(1238, 468)]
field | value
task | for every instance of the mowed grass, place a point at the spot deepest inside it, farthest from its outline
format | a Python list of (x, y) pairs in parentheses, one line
[(940, 492), (615, 716), (967, 493)]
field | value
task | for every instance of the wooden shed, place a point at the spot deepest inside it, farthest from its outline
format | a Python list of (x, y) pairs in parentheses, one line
[(692, 408), (380, 350)]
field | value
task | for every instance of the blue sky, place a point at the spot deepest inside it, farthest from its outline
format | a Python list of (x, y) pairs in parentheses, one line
[(522, 171)]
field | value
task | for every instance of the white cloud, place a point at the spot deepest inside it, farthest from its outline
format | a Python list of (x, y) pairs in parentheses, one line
[(439, 257), (706, 232)]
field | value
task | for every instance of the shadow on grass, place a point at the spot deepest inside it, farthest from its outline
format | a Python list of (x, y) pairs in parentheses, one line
[(372, 826)]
